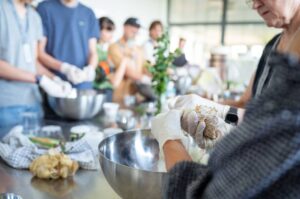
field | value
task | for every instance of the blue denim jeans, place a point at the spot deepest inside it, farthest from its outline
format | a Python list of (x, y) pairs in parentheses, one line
[(12, 116)]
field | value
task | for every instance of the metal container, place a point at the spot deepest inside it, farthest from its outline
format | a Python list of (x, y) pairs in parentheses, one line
[(83, 105), (183, 83), (9, 196), (131, 164), (125, 119)]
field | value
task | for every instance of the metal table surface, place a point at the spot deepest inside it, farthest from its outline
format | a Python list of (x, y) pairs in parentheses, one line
[(84, 185)]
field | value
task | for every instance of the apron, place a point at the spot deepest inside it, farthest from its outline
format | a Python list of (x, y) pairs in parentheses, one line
[(262, 82)]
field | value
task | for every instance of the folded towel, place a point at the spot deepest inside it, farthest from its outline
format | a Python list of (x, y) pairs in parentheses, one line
[(18, 151)]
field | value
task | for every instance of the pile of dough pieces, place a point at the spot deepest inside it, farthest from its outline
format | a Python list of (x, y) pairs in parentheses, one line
[(53, 165)]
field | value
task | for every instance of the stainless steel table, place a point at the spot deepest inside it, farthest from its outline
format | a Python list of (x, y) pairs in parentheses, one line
[(84, 185)]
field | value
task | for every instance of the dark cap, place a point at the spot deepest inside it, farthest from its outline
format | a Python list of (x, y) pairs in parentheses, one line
[(133, 22)]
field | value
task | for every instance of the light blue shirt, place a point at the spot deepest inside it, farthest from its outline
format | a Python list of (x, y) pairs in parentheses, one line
[(14, 93)]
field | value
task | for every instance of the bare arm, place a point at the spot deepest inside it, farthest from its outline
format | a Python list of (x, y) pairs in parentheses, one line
[(132, 71), (117, 57), (241, 103), (119, 74), (41, 70), (175, 152), (46, 59), (10, 72), (93, 56)]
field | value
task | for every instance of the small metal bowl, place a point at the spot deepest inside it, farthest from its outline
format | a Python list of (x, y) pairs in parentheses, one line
[(125, 119), (132, 165), (9, 196), (84, 104)]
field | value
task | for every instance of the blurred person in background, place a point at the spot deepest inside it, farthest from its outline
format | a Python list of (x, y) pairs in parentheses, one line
[(103, 70), (126, 49), (106, 77), (70, 38), (20, 73), (181, 60), (155, 32)]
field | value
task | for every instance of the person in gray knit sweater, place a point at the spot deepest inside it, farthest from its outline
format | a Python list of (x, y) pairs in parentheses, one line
[(258, 159)]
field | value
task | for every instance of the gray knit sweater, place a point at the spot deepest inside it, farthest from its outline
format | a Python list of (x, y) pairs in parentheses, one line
[(258, 159)]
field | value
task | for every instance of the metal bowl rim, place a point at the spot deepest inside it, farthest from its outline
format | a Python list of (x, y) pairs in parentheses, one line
[(98, 94), (118, 164)]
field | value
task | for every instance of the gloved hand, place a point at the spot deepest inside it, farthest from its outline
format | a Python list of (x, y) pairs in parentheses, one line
[(74, 74), (188, 101), (52, 88), (204, 126), (67, 87), (89, 73), (166, 126)]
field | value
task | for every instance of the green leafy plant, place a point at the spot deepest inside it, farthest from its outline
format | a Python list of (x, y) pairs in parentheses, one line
[(163, 60)]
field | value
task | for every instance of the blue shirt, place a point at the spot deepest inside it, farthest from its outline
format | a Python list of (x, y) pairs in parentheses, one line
[(68, 30), (15, 93)]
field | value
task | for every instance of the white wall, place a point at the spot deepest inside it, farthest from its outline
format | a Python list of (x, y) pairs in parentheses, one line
[(120, 10)]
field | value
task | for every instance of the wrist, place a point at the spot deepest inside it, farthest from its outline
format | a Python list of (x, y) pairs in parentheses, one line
[(223, 110), (64, 67), (38, 79)]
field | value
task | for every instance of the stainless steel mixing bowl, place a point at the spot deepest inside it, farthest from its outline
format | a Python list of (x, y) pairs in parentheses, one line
[(83, 105), (131, 164)]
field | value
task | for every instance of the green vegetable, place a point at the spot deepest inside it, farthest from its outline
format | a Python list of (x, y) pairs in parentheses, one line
[(44, 142)]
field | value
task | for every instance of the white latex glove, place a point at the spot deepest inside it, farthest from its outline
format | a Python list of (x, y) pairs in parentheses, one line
[(90, 73), (73, 73), (166, 126), (191, 101), (52, 88), (204, 126), (67, 87)]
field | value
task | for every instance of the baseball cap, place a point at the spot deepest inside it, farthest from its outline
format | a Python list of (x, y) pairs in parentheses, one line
[(133, 22)]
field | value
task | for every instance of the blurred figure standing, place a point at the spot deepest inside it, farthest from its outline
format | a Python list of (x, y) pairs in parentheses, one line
[(70, 38), (155, 31), (181, 60), (126, 49), (20, 32)]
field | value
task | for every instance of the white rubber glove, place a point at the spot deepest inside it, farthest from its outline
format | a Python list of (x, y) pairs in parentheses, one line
[(191, 101), (52, 88), (74, 74), (166, 126), (204, 126), (67, 87), (90, 73)]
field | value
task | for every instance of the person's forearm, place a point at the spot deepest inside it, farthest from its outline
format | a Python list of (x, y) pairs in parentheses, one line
[(93, 55), (234, 103), (93, 59), (9, 72), (49, 61), (118, 76), (132, 72), (46, 59), (41, 70), (175, 152), (240, 113)]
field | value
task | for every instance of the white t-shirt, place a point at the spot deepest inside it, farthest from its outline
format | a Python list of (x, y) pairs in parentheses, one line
[(149, 49)]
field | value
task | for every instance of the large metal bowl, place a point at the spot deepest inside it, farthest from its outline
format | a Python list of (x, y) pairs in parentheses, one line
[(83, 105), (131, 164)]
